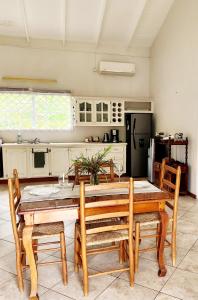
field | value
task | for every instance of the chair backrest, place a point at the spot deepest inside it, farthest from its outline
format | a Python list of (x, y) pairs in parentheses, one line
[(14, 200), (102, 208), (170, 181), (107, 177)]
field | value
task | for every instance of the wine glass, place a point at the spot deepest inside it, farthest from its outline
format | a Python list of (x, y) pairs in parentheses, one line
[(119, 170), (62, 180)]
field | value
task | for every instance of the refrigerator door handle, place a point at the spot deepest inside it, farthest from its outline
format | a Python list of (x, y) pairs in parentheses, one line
[(134, 143)]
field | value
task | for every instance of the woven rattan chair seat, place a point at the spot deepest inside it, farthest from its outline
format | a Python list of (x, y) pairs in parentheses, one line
[(147, 218), (44, 230), (104, 237)]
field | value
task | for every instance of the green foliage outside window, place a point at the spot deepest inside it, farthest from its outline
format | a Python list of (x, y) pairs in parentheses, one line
[(35, 111)]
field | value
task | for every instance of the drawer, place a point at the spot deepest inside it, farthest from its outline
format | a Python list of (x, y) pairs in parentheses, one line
[(115, 156), (117, 149)]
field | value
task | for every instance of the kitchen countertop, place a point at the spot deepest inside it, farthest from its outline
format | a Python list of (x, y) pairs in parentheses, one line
[(82, 144)]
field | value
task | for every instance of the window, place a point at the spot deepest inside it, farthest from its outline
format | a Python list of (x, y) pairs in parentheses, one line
[(32, 110)]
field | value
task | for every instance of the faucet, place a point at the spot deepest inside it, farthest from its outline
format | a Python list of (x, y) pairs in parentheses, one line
[(36, 141)]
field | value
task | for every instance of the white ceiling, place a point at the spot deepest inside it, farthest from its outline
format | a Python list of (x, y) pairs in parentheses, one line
[(115, 24)]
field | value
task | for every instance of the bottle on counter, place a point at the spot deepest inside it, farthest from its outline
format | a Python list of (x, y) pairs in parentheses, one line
[(19, 138)]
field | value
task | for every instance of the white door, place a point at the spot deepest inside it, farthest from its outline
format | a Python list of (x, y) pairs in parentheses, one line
[(15, 159), (59, 161)]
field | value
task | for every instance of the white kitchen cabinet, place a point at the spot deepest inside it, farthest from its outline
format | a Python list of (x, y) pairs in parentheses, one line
[(35, 171), (102, 112), (85, 112), (58, 157), (74, 153), (59, 161), (91, 112), (118, 155), (94, 150), (15, 159), (117, 112)]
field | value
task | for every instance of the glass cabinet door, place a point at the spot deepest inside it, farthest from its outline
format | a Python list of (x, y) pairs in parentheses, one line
[(102, 111), (85, 112)]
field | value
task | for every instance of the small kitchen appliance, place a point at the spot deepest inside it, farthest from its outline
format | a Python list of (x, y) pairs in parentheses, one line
[(114, 135), (106, 138)]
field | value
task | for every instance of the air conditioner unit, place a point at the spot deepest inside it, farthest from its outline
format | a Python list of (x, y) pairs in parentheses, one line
[(116, 68)]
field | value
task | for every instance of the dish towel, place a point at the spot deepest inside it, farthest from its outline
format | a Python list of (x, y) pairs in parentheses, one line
[(39, 159)]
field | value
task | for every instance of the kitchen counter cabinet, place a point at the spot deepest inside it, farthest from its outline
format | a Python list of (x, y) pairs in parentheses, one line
[(15, 158), (58, 157), (59, 160)]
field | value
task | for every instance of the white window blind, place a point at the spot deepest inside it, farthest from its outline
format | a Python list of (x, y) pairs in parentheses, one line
[(33, 110)]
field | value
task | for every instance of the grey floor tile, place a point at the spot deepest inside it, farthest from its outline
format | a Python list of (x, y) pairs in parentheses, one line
[(6, 247), (187, 226), (147, 275), (182, 284), (51, 295), (190, 262), (195, 246), (162, 296), (5, 229), (50, 275), (120, 290), (74, 289), (151, 255), (5, 276), (9, 290), (105, 262)]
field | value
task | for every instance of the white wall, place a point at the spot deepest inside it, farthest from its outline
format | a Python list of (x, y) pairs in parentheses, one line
[(174, 78), (73, 71)]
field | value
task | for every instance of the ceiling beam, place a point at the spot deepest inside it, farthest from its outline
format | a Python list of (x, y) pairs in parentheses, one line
[(24, 16), (101, 21), (64, 17), (138, 10)]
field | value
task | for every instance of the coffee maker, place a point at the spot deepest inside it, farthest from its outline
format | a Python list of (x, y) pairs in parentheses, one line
[(114, 135)]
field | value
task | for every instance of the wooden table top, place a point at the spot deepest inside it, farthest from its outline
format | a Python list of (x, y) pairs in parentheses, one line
[(73, 203)]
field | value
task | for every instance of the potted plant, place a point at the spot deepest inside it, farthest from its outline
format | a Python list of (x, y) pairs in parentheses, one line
[(92, 166)]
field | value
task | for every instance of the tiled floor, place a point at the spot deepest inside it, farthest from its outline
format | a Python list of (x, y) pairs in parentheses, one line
[(180, 282)]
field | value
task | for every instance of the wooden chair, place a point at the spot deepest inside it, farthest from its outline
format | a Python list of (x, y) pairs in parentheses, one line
[(108, 177), (103, 222), (40, 231), (148, 222)]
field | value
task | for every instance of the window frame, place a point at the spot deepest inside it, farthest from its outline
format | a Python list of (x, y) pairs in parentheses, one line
[(42, 92)]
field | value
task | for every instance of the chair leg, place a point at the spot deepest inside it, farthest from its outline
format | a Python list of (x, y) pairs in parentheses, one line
[(63, 257), (137, 241), (124, 251), (131, 262), (23, 255), (76, 251), (121, 252), (173, 248), (158, 233), (19, 269), (85, 269)]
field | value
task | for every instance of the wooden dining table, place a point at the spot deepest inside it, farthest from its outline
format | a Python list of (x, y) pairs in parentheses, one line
[(52, 210)]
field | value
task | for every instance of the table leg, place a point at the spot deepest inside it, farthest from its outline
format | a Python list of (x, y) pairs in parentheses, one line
[(27, 242), (164, 222)]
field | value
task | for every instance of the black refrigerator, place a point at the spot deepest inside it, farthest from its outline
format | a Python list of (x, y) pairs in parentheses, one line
[(138, 134)]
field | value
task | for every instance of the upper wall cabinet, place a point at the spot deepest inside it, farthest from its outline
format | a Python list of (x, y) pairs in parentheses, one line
[(102, 112), (117, 112), (85, 112), (92, 111)]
